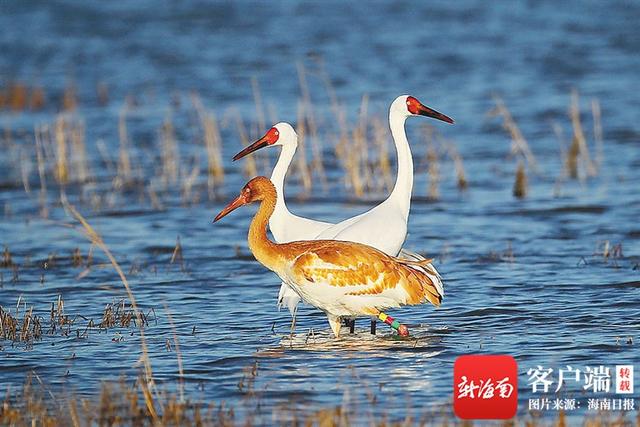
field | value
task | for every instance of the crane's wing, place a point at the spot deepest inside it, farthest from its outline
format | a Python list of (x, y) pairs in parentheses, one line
[(362, 270)]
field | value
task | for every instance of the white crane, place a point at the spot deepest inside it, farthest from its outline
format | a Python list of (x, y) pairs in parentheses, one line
[(384, 227)]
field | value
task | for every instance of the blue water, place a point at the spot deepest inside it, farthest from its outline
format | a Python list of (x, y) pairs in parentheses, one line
[(522, 277)]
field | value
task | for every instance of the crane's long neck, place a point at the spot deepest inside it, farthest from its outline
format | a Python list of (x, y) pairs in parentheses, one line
[(278, 175), (401, 193), (265, 251)]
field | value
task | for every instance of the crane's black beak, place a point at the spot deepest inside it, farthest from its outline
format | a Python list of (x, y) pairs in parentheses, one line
[(261, 143), (423, 110)]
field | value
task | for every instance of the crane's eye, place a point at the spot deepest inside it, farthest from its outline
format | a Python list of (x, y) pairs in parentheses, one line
[(412, 105)]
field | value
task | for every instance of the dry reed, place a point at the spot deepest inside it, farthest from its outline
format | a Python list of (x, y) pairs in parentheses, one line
[(213, 145), (608, 250), (26, 327), (97, 241), (61, 151), (70, 98), (360, 146), (188, 181), (38, 99), (119, 404), (118, 314), (461, 177), (433, 172), (260, 124), (6, 261), (170, 153), (597, 132), (354, 153), (362, 142), (177, 254), (176, 343), (578, 151), (102, 92), (520, 185), (576, 158), (78, 151), (301, 163), (519, 148), (214, 153), (44, 211), (17, 98), (519, 145), (249, 166), (124, 160), (311, 124), (62, 170)]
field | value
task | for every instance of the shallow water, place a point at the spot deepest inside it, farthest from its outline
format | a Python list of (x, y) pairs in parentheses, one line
[(521, 277)]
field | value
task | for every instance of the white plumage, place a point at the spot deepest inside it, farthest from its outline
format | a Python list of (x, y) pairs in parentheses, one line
[(383, 227)]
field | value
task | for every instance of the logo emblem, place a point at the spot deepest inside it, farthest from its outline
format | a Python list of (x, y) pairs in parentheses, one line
[(485, 387)]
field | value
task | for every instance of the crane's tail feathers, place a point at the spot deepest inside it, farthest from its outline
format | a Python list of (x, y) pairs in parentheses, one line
[(433, 291), (424, 262), (425, 265), (409, 255)]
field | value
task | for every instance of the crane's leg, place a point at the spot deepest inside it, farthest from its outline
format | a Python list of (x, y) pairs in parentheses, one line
[(293, 325), (345, 321), (373, 326), (293, 320), (350, 323), (335, 324), (402, 329)]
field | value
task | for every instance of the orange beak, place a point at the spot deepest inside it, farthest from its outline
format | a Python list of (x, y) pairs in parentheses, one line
[(235, 204), (269, 138), (423, 110)]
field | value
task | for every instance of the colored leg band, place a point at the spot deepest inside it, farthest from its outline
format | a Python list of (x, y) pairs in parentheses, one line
[(399, 327)]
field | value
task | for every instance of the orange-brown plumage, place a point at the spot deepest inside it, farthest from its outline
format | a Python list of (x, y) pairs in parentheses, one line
[(354, 263), (344, 279)]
